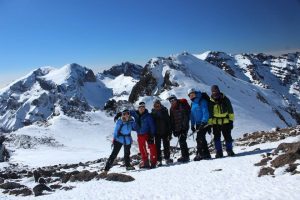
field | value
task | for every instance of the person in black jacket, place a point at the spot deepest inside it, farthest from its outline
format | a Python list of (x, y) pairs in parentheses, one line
[(180, 117), (163, 131)]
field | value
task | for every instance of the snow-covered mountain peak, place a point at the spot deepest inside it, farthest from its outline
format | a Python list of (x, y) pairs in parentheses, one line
[(176, 74), (47, 91), (71, 73)]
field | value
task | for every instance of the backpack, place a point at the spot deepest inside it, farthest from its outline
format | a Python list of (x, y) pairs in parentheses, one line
[(185, 104), (205, 96)]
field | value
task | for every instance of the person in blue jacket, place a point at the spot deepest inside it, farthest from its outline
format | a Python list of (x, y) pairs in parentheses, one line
[(122, 136), (146, 131), (199, 122)]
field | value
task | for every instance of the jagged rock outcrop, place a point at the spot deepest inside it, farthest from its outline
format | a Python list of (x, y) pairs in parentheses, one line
[(126, 68)]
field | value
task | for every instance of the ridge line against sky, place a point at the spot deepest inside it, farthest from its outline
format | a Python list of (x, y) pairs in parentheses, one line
[(99, 34)]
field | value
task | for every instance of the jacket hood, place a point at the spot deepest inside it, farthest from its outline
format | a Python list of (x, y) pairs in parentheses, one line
[(198, 96)]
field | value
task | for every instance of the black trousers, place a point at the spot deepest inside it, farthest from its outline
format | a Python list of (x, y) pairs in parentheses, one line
[(225, 129), (116, 149), (183, 145), (166, 144), (202, 147)]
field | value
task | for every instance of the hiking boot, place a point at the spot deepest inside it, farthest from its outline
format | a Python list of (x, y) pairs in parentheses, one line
[(159, 163), (144, 164), (219, 154), (152, 166), (130, 167), (197, 158), (169, 161), (183, 159), (230, 153), (206, 157)]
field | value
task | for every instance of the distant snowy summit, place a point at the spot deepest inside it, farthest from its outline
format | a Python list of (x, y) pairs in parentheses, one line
[(46, 92), (264, 70), (264, 89)]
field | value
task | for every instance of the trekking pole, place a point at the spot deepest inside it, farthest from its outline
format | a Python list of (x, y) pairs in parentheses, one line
[(176, 145)]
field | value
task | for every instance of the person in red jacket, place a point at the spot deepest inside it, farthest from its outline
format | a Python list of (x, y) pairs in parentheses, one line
[(179, 117)]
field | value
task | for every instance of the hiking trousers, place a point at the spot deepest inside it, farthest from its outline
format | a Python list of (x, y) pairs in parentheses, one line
[(225, 129), (166, 143), (143, 143), (116, 149)]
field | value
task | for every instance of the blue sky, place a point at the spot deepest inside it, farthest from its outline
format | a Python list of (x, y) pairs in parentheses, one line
[(98, 34)]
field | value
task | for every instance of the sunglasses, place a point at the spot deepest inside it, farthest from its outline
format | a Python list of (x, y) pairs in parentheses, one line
[(125, 113), (172, 100)]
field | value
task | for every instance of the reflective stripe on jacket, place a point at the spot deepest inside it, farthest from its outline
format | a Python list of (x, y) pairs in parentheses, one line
[(222, 111)]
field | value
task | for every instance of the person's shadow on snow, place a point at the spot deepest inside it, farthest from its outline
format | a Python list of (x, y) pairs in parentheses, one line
[(254, 152)]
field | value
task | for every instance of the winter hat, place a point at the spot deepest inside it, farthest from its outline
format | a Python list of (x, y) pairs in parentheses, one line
[(192, 90), (125, 111), (215, 88), (155, 101), (172, 97), (142, 104)]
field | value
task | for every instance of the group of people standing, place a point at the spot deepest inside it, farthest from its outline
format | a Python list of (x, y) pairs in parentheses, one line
[(204, 115)]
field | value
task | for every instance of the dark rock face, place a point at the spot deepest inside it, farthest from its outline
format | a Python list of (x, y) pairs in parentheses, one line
[(56, 186), (263, 162), (115, 177), (9, 175), (89, 76), (292, 153), (144, 87), (38, 189), (67, 188), (260, 137), (127, 68), (11, 185), (167, 84), (85, 175), (119, 177), (22, 192), (219, 59), (266, 171), (66, 176), (289, 154)]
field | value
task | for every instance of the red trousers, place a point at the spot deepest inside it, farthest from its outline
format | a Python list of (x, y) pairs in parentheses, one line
[(142, 140)]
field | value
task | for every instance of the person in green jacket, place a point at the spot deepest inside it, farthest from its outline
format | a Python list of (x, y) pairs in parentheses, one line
[(221, 119)]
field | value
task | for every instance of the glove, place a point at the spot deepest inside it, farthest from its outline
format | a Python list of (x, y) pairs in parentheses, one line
[(193, 129), (119, 114), (230, 125), (150, 140)]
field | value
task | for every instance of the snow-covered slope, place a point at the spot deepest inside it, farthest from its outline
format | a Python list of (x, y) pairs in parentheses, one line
[(226, 178), (46, 92), (282, 74), (255, 108)]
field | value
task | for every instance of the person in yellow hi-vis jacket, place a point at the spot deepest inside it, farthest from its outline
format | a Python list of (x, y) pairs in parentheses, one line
[(221, 119)]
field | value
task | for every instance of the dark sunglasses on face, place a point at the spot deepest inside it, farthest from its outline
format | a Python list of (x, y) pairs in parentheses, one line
[(191, 94), (125, 113), (172, 100)]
